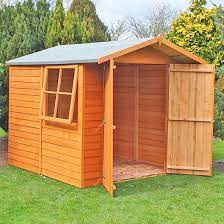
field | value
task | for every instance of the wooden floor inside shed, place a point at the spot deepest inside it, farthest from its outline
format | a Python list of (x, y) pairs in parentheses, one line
[(126, 170)]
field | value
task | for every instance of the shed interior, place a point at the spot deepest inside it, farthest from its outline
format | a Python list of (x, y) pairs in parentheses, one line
[(139, 117)]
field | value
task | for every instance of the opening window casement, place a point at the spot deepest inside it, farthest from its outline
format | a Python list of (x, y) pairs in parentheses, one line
[(59, 96)]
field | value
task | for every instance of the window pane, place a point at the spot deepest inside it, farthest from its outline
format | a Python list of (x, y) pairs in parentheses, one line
[(67, 80), (75, 115), (50, 102), (52, 79), (63, 106)]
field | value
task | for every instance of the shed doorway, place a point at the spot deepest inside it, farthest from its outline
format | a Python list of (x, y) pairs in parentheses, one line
[(140, 94)]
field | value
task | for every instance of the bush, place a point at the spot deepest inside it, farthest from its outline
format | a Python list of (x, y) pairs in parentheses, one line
[(3, 97), (219, 114)]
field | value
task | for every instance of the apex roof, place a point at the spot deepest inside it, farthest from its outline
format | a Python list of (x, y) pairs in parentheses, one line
[(98, 52)]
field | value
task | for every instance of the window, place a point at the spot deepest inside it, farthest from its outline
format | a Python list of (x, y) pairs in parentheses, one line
[(59, 94)]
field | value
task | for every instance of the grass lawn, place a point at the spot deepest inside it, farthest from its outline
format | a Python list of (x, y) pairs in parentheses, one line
[(28, 198), (2, 133)]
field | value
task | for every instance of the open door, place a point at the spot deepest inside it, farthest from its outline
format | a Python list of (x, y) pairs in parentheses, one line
[(108, 129), (190, 119)]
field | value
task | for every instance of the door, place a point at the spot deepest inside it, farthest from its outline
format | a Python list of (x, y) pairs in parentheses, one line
[(108, 129), (190, 119)]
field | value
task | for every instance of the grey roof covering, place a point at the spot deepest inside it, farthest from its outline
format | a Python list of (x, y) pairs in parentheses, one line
[(74, 53)]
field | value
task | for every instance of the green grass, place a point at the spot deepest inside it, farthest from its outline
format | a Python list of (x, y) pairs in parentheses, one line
[(2, 133), (28, 198)]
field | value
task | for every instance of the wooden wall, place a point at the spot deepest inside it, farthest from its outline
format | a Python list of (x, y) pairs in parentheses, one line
[(151, 113), (54, 150), (24, 124), (93, 124), (139, 113), (125, 112)]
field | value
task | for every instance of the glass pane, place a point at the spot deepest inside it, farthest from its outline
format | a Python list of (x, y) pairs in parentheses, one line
[(75, 115), (49, 103), (52, 79), (67, 80), (63, 106)]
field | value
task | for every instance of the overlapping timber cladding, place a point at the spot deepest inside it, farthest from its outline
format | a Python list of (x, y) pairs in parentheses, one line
[(99, 113)]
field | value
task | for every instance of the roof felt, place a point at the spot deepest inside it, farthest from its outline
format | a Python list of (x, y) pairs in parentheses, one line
[(75, 53)]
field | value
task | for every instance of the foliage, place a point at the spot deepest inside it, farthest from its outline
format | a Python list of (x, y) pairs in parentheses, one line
[(31, 26), (56, 25), (3, 97), (199, 31), (2, 133), (219, 114), (172, 199), (196, 31), (91, 27)]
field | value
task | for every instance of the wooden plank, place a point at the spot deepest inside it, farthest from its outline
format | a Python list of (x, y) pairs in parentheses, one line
[(61, 156), (188, 168), (57, 95), (77, 153), (25, 104), (33, 124), (29, 117), (25, 141), (24, 85), (28, 98), (193, 70), (28, 135), (74, 91), (61, 163), (23, 147), (62, 178), (24, 110), (61, 171), (108, 130), (61, 142), (60, 93), (22, 165), (190, 123)]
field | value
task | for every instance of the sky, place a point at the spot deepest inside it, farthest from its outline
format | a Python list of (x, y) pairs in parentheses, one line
[(111, 10)]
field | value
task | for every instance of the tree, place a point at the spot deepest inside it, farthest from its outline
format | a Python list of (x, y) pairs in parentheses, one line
[(23, 27), (42, 16), (118, 30), (157, 21), (72, 29), (55, 26), (3, 97), (91, 27), (196, 31), (20, 44), (7, 14)]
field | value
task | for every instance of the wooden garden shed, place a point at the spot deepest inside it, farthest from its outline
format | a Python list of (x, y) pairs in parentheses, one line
[(97, 113)]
